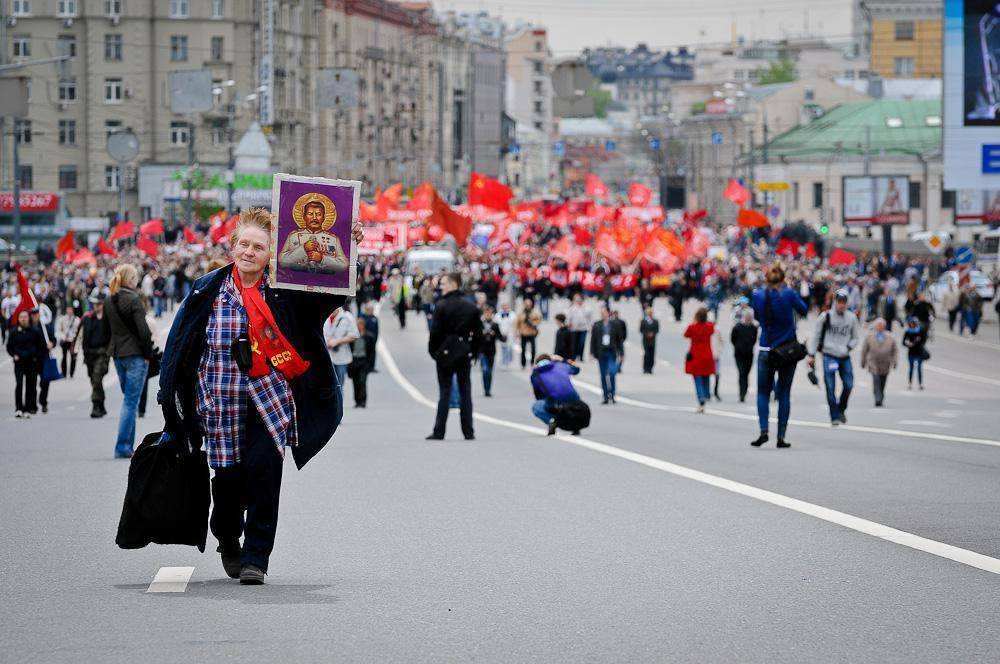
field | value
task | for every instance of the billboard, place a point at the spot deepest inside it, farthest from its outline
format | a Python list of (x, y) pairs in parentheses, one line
[(879, 199), (972, 94), (973, 207)]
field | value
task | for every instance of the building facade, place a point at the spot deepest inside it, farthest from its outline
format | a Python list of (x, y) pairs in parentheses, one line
[(529, 103), (904, 37)]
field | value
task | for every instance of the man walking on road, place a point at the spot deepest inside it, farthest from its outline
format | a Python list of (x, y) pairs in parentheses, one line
[(649, 328), (456, 333), (578, 322), (836, 335), (96, 339), (604, 344), (879, 355), (744, 338)]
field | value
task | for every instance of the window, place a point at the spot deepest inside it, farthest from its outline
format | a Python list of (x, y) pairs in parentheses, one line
[(538, 126), (113, 47), (178, 48), (22, 131), (67, 177), (216, 49), (538, 67), (66, 45), (20, 7), (112, 176), (948, 199), (538, 87), (903, 66), (22, 46), (818, 195), (113, 7), (111, 126), (178, 8), (66, 8), (180, 133), (795, 195), (809, 94), (26, 177), (914, 195), (538, 107), (538, 46), (904, 30), (218, 135), (67, 132), (67, 90), (217, 8), (114, 91)]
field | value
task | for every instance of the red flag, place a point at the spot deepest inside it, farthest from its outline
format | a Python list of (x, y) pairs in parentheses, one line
[(152, 227), (582, 235), (190, 237), (147, 246), (698, 244), (390, 197), (489, 193), (787, 247), (593, 187), (449, 221), (737, 193), (222, 228), (423, 197), (673, 243), (28, 301), (65, 245), (694, 217), (639, 195), (565, 250), (84, 256), (608, 246), (121, 230), (751, 218), (105, 249), (842, 257)]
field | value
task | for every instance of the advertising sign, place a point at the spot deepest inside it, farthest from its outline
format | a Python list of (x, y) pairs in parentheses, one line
[(881, 199), (977, 207), (312, 234), (31, 201), (971, 94)]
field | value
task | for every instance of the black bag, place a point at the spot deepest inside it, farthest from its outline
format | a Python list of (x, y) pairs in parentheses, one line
[(153, 354), (572, 416), (454, 349), (925, 354), (167, 498), (787, 354)]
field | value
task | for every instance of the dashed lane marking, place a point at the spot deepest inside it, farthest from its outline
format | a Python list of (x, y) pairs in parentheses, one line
[(171, 580), (925, 423), (872, 528), (958, 374)]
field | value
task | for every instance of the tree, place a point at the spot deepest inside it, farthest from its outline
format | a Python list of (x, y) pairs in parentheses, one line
[(781, 71), (601, 100)]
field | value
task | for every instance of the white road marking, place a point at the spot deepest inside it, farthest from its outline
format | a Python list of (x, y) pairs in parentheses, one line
[(903, 538), (971, 342), (956, 402), (925, 423), (948, 414), (171, 580), (958, 374)]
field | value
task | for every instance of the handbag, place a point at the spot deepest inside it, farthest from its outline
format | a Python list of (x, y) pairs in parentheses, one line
[(925, 354), (50, 370), (153, 355), (787, 354)]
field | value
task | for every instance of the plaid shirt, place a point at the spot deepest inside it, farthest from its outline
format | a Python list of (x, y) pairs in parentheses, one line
[(222, 387)]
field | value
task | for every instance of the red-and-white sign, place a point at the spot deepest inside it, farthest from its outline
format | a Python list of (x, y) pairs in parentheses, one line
[(384, 238), (31, 201)]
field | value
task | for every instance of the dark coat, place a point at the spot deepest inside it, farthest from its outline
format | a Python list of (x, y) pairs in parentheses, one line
[(743, 337), (648, 329), (28, 344), (597, 347), (130, 307), (454, 316), (565, 347), (319, 403), (96, 333), (491, 334)]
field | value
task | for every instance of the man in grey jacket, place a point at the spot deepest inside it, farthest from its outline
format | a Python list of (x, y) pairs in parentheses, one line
[(836, 334)]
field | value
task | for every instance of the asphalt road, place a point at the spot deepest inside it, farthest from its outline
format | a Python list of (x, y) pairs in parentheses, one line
[(658, 535)]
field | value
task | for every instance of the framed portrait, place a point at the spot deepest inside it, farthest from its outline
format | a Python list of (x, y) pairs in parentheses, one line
[(313, 247)]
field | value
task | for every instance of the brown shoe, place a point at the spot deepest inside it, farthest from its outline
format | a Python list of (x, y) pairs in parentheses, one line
[(251, 575)]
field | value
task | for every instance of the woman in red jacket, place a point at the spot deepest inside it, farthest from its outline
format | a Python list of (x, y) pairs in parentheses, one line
[(700, 360)]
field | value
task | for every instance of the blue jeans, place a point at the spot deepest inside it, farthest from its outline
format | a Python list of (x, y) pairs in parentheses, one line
[(702, 388), (539, 410), (486, 364), (132, 377), (506, 353), (580, 344), (969, 319), (831, 367), (782, 388), (543, 306), (159, 305), (608, 364), (454, 397), (918, 364), (340, 371)]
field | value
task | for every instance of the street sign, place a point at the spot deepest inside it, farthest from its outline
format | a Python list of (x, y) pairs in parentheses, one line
[(654, 144), (559, 148), (963, 255), (772, 186), (774, 211), (609, 146), (716, 138)]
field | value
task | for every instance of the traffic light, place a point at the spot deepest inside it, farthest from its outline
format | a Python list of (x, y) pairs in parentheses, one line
[(824, 229)]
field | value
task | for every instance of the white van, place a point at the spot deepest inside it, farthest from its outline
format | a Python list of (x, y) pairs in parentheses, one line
[(429, 260)]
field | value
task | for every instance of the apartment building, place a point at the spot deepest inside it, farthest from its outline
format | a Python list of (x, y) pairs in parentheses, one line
[(529, 99), (904, 37)]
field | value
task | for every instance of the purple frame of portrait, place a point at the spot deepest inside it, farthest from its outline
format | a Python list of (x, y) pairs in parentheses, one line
[(288, 191)]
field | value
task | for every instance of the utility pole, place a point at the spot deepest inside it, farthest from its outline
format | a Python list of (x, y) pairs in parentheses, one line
[(16, 215), (190, 173), (231, 173), (752, 176), (886, 228)]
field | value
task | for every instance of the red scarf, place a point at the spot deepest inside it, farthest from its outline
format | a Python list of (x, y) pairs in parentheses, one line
[(269, 345)]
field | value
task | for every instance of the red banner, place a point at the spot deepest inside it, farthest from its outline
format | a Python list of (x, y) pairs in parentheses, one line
[(31, 201)]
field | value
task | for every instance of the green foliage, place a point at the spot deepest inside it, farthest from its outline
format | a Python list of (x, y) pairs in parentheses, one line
[(780, 71), (697, 108), (601, 100)]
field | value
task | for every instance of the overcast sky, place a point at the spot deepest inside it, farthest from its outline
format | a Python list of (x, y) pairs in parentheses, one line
[(574, 24)]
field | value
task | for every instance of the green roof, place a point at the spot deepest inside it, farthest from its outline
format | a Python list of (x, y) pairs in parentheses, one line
[(842, 130)]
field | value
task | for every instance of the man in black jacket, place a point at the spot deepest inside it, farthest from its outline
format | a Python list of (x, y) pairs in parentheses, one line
[(565, 345), (649, 328), (488, 347), (456, 333), (605, 340), (96, 338), (744, 338)]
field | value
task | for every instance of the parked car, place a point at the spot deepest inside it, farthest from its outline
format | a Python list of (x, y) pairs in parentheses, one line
[(981, 282)]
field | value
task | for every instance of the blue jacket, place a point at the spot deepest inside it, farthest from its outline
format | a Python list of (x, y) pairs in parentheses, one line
[(775, 311), (551, 381), (319, 403)]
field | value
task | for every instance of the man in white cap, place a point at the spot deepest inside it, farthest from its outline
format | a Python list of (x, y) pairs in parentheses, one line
[(836, 334)]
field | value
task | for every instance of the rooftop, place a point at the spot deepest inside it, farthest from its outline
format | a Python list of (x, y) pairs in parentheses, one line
[(896, 128)]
